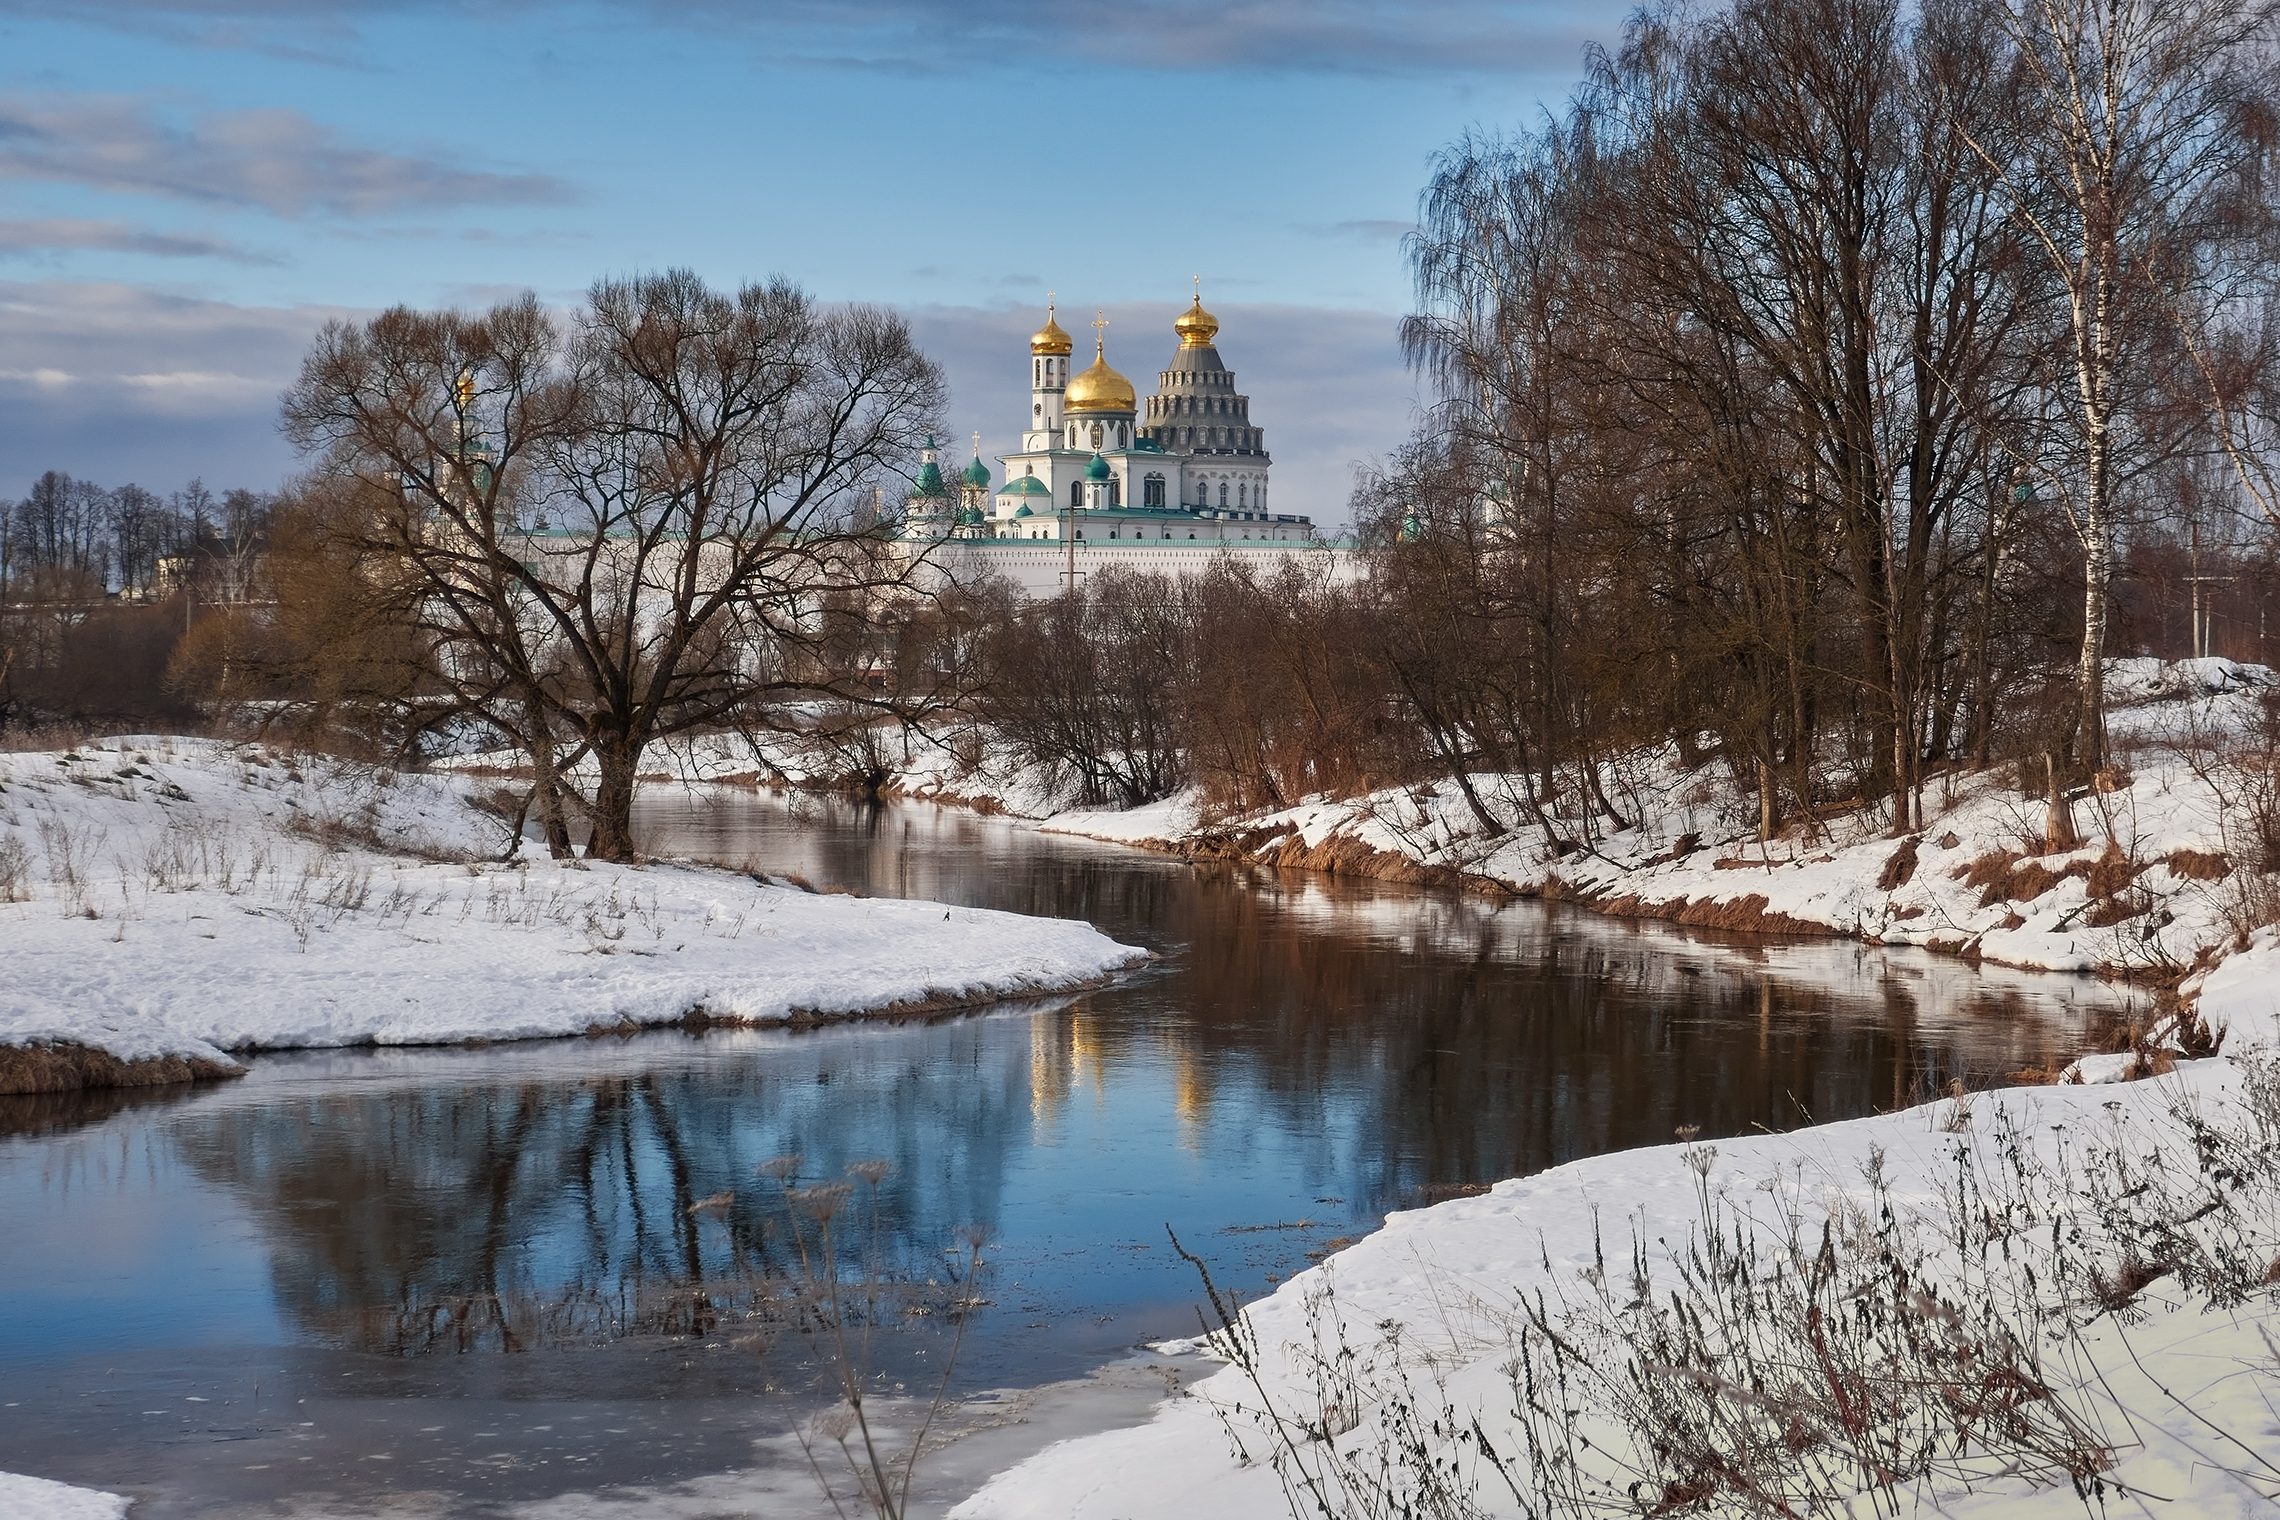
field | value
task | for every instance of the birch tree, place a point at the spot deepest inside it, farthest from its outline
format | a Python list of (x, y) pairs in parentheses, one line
[(2146, 114)]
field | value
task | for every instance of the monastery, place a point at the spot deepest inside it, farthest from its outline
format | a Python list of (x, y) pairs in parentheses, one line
[(1101, 479)]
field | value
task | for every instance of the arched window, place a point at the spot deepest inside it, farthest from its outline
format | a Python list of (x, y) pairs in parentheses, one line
[(1223, 493), (1243, 495), (1152, 491), (1124, 435), (1076, 493), (1115, 492)]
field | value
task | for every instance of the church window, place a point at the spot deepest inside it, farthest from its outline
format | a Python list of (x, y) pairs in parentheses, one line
[(1124, 435), (1223, 493), (1076, 493), (1037, 410), (1242, 496), (1152, 491), (1115, 492)]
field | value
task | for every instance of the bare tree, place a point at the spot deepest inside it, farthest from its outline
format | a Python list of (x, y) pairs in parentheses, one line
[(624, 524), (2149, 116)]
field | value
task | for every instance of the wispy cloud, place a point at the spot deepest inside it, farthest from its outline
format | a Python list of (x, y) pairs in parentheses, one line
[(1255, 36), (1368, 230), (277, 160), (115, 382), (66, 234)]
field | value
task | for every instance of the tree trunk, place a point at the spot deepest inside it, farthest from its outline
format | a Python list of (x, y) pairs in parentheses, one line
[(2088, 739), (618, 758)]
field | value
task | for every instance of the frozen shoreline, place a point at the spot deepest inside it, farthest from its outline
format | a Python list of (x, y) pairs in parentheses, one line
[(182, 899)]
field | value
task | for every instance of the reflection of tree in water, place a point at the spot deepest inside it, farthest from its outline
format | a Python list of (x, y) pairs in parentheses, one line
[(521, 1215), (1403, 1041), (1470, 1062)]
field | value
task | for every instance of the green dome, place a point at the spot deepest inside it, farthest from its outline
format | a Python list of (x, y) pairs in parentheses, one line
[(1098, 469), (1025, 485), (930, 481), (978, 474), (1023, 512)]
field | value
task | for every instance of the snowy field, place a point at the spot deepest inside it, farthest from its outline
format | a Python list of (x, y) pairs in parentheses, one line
[(23, 1498), (179, 897)]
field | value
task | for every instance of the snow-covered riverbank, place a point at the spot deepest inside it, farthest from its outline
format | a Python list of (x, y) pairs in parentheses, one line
[(167, 901), (2158, 876), (2180, 1390)]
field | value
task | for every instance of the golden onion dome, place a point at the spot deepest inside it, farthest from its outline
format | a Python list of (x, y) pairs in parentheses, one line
[(1050, 339), (1101, 389), (1196, 326)]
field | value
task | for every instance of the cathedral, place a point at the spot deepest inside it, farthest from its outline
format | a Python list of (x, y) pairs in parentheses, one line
[(1186, 472)]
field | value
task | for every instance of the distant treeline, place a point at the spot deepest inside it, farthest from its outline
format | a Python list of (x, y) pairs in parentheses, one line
[(74, 539), (98, 587)]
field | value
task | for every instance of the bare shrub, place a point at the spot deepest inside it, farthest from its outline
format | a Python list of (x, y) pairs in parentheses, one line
[(15, 870), (70, 858)]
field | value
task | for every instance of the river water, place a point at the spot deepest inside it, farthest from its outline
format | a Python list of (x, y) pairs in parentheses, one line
[(487, 1282)]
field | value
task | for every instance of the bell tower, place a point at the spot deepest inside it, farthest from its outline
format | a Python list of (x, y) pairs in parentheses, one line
[(1049, 351)]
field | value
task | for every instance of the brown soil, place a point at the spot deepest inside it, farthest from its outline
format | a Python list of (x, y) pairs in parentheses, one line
[(62, 1067), (1744, 915), (1339, 855)]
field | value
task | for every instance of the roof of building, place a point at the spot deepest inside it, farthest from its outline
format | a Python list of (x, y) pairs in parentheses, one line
[(1025, 485), (1098, 469), (1196, 326), (978, 473), (1101, 389), (1050, 339)]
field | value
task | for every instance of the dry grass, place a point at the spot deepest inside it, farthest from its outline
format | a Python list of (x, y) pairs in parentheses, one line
[(2199, 865), (1899, 867), (54, 1068)]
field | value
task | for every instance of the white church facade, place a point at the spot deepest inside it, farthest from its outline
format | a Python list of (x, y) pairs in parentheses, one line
[(1101, 479)]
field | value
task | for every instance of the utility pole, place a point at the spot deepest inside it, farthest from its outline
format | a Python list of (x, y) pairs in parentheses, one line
[(1069, 547)]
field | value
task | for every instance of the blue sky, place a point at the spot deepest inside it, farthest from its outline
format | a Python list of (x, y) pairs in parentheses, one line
[(189, 187)]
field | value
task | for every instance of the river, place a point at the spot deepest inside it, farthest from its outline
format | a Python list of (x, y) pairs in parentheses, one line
[(488, 1281)]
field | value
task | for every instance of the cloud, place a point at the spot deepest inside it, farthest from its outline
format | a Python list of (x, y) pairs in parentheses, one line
[(114, 383), (1367, 231), (56, 234), (278, 160), (1381, 37)]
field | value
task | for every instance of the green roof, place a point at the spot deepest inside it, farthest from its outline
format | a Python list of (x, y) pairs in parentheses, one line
[(1025, 485), (1098, 469), (978, 473), (1023, 512), (930, 481)]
